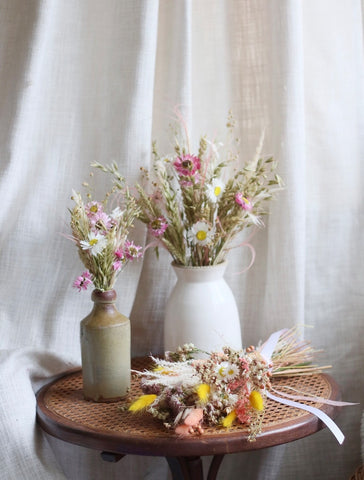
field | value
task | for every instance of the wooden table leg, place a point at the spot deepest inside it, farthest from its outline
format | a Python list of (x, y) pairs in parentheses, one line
[(190, 468), (214, 467)]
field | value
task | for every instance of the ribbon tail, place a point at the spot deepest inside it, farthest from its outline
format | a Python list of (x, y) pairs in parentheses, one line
[(312, 398), (331, 425), (252, 251), (155, 243), (151, 245)]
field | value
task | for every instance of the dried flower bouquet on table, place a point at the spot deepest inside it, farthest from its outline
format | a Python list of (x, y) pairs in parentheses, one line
[(102, 236), (226, 387), (196, 202)]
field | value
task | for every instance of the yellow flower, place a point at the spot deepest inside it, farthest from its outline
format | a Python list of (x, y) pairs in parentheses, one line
[(163, 370), (142, 402), (256, 400), (203, 391), (229, 419)]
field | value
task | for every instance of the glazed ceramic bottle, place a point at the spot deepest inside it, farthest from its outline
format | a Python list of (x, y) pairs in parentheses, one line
[(105, 350)]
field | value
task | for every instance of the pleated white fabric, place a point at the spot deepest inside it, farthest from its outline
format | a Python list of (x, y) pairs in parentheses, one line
[(84, 81)]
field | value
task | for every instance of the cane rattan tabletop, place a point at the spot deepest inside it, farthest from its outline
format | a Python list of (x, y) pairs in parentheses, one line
[(63, 413)]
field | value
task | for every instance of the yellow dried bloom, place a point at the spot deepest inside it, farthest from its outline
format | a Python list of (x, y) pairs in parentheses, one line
[(203, 392), (163, 370), (229, 419), (142, 402), (256, 400)]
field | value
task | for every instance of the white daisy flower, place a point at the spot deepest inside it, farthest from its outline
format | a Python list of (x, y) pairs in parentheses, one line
[(200, 233), (215, 189), (221, 370), (232, 371), (95, 243), (227, 371)]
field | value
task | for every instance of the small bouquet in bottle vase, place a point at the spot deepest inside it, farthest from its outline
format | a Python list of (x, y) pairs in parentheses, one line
[(101, 235)]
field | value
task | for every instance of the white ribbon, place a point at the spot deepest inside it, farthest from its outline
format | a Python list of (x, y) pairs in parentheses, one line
[(268, 347), (312, 398), (266, 352), (319, 413)]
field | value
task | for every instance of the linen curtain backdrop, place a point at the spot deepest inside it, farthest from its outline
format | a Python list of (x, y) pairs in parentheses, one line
[(84, 81)]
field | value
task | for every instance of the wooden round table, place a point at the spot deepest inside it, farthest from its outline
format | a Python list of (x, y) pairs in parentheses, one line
[(115, 432)]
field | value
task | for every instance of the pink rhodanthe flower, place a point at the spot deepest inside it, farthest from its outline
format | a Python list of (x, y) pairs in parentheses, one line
[(187, 165), (120, 254), (132, 251), (83, 281), (101, 221), (158, 226), (244, 202), (93, 208), (120, 262)]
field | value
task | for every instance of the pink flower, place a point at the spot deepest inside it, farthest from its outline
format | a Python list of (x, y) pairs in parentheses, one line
[(120, 262), (244, 364), (132, 251), (120, 254), (158, 226), (83, 281), (118, 265), (187, 165), (93, 208), (244, 202), (101, 221), (242, 410), (236, 384), (192, 423), (194, 417)]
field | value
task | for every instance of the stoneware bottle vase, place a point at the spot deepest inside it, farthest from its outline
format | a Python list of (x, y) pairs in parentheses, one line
[(105, 350), (202, 310)]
